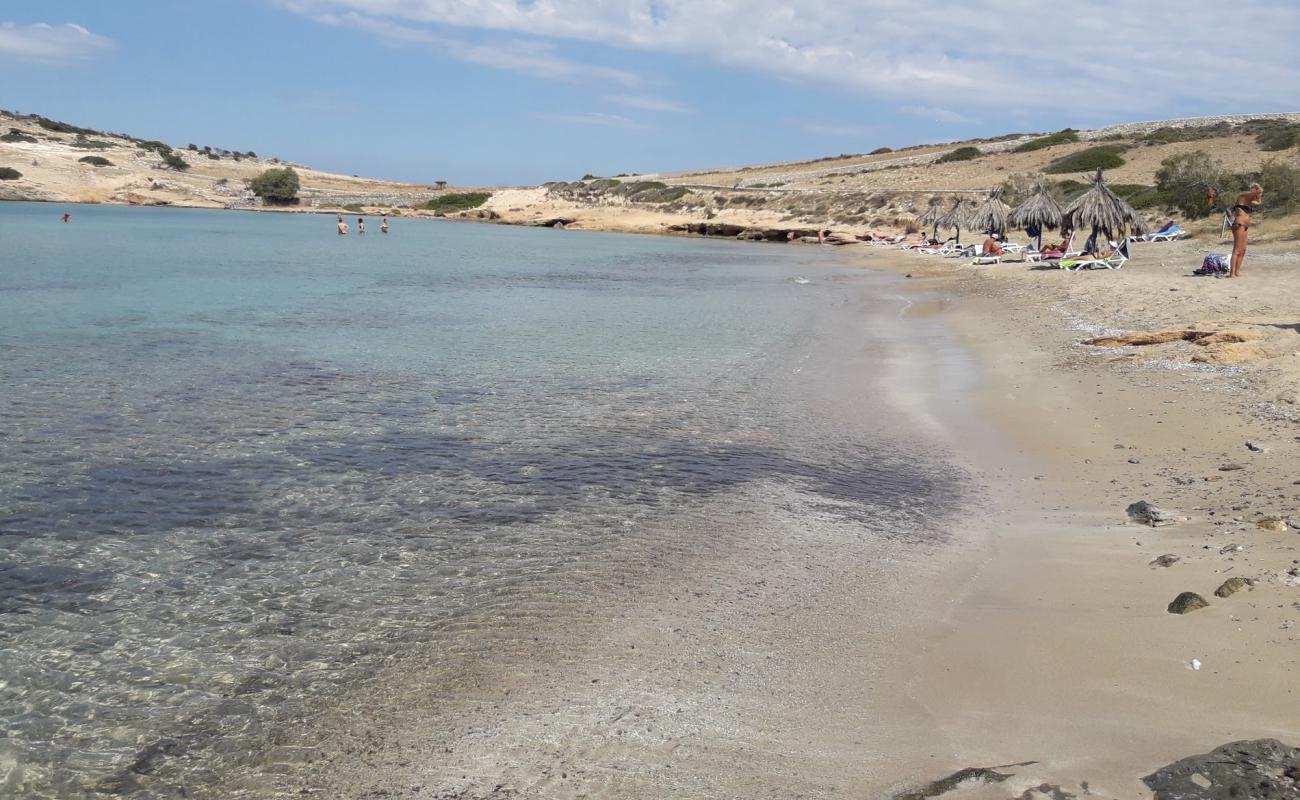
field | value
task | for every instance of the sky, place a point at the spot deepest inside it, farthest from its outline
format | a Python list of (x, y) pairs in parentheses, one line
[(507, 92)]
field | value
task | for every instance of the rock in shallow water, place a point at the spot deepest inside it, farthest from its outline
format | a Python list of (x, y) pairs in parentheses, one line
[(1263, 768)]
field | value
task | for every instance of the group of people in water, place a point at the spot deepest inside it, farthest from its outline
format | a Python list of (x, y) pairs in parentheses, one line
[(361, 226)]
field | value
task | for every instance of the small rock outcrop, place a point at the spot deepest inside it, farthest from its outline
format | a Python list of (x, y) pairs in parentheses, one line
[(1187, 602), (1144, 513), (944, 785), (1263, 768), (1233, 585)]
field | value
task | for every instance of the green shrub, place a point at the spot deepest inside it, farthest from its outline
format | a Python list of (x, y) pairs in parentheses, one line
[(353, 208), (90, 144), (15, 135), (193, 148), (276, 186), (1184, 180), (174, 161), (214, 156), (1070, 189), (155, 145), (1106, 156), (96, 161), (880, 151), (960, 154), (1168, 135), (772, 185), (1138, 195), (665, 195), (9, 174), (603, 183), (636, 187), (63, 127), (1066, 136), (457, 201), (1281, 183), (1278, 138)]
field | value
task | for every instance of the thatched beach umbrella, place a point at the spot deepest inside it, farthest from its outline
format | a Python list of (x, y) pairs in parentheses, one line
[(1039, 211), (955, 218), (933, 213), (1104, 212), (991, 216)]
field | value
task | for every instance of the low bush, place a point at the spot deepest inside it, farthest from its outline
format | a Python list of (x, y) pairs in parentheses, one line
[(214, 156), (174, 161), (156, 146), (1070, 189), (1139, 195), (1169, 135), (1066, 136), (90, 144), (9, 174), (1106, 156), (1281, 137), (63, 127), (457, 201), (276, 186), (602, 184), (96, 161), (636, 187), (15, 135), (880, 151), (960, 154), (1281, 182), (667, 194), (1184, 181)]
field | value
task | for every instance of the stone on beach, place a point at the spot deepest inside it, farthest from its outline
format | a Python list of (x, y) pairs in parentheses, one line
[(1262, 768), (1187, 602), (1147, 514), (1166, 560), (1275, 524), (1233, 585)]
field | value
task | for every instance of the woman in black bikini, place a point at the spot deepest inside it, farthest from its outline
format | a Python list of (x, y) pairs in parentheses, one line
[(1246, 204)]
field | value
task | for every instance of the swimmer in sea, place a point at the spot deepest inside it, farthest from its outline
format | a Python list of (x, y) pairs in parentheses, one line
[(343, 227), (67, 217), (383, 226), (361, 226)]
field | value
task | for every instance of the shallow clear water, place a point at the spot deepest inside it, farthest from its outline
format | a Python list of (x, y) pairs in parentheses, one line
[(244, 461)]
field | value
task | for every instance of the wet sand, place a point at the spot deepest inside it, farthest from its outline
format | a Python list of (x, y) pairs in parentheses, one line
[(809, 662)]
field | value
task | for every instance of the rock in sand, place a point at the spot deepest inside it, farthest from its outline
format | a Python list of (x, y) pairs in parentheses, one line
[(1187, 602), (1144, 513), (1263, 768), (1233, 585)]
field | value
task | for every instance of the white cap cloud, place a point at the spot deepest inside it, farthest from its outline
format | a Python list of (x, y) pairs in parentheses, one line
[(49, 43)]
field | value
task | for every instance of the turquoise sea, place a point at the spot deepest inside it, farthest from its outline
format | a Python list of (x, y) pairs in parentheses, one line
[(245, 462)]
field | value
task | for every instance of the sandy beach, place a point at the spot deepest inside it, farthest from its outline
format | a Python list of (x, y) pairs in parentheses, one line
[(1034, 639)]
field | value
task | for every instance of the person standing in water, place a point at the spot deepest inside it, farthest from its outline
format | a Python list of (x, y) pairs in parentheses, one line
[(361, 226), (1247, 203), (343, 226), (383, 226), (67, 217)]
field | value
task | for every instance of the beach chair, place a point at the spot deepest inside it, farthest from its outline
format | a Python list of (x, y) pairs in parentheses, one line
[(984, 261), (1168, 236), (1035, 256), (1116, 260)]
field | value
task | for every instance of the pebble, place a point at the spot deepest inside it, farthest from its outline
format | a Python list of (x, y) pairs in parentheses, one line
[(1230, 467)]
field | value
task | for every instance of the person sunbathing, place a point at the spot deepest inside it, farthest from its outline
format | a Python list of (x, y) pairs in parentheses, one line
[(992, 247)]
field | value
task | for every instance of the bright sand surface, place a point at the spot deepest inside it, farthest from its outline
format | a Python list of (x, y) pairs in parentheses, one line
[(1039, 634)]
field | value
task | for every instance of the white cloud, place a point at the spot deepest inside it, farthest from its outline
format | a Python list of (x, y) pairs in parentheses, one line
[(1126, 57), (591, 118), (55, 44), (643, 102), (935, 114)]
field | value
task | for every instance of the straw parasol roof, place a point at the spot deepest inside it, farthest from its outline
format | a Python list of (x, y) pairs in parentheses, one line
[(931, 215), (1102, 210), (1040, 211), (955, 218), (991, 215)]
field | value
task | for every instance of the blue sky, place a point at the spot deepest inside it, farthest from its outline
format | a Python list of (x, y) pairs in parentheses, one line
[(523, 91)]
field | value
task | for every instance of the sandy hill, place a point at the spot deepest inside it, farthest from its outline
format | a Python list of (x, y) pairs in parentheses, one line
[(51, 158), (880, 192)]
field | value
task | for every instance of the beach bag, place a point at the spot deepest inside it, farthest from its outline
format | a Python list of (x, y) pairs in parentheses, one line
[(1213, 264)]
